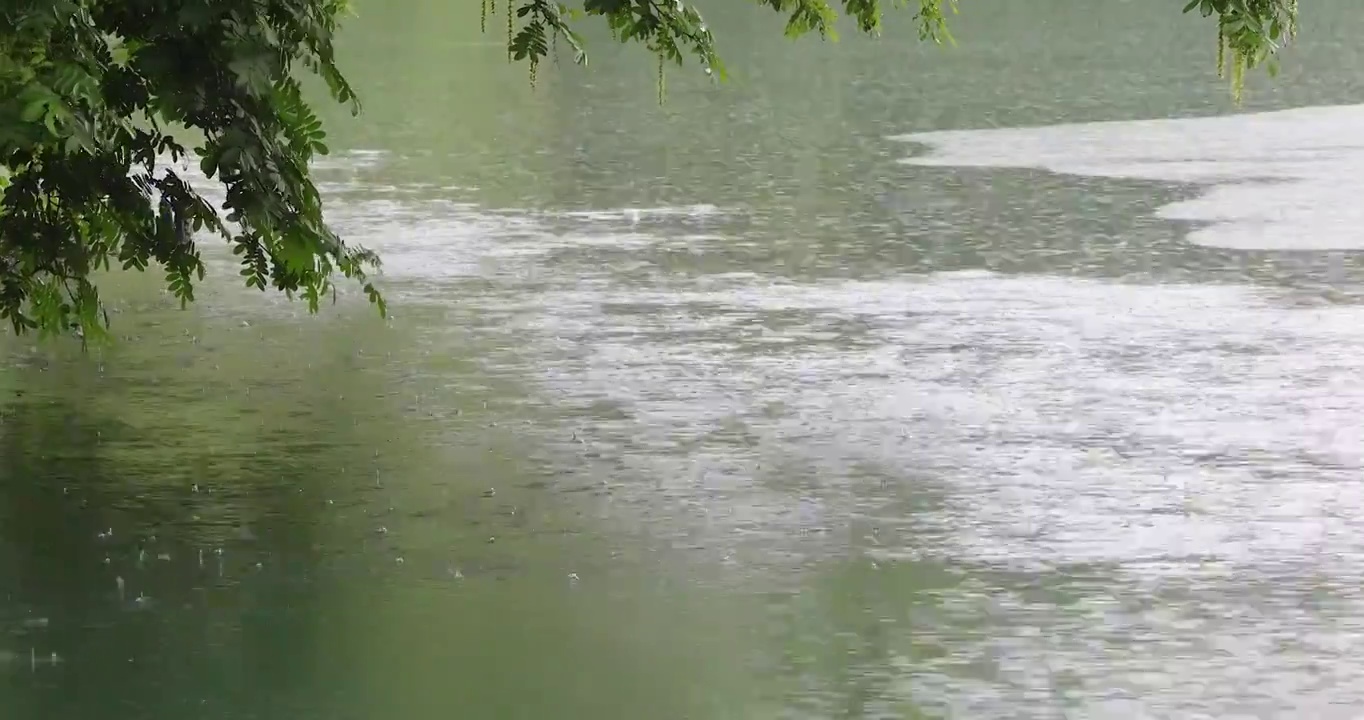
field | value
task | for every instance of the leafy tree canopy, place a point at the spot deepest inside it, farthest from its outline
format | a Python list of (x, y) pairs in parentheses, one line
[(100, 98)]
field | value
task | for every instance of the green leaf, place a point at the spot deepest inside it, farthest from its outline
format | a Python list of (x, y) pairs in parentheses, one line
[(33, 111)]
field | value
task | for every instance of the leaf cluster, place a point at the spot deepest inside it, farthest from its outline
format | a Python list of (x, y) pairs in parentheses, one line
[(674, 30), (96, 98), (1249, 34)]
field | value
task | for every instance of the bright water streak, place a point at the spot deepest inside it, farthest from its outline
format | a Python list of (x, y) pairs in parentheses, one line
[(1287, 180), (1144, 494)]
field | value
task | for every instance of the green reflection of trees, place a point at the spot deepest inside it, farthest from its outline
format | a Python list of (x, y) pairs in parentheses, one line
[(184, 448)]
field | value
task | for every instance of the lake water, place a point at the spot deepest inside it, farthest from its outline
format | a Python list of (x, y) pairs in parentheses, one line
[(1014, 380)]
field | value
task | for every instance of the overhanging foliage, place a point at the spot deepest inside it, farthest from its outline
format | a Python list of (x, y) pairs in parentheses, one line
[(97, 95)]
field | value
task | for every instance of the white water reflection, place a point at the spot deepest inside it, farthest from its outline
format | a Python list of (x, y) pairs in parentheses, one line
[(1177, 464), (1197, 443), (1287, 180), (1183, 421)]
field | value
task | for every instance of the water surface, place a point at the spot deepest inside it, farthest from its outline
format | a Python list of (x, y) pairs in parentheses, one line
[(743, 406)]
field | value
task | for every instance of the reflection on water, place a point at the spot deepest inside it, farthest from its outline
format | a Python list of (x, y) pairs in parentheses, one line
[(1074, 486), (623, 476), (1287, 180), (771, 424), (260, 544)]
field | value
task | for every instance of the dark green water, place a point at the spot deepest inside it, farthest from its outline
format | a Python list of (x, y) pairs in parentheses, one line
[(722, 410)]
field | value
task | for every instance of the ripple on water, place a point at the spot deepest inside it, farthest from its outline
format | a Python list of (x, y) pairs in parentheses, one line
[(1175, 465), (1199, 442), (1286, 180)]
